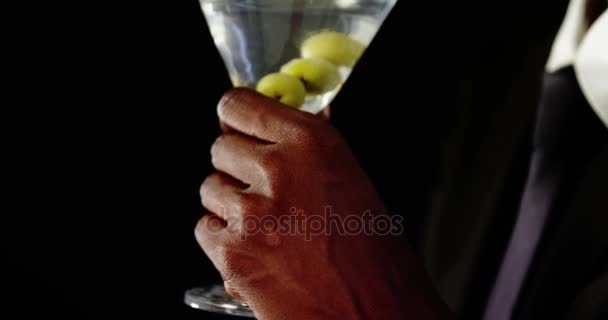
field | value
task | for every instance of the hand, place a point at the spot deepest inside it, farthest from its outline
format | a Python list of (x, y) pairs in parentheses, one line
[(283, 175)]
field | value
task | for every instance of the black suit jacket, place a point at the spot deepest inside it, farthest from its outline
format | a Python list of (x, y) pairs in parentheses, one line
[(468, 231), (472, 157), (569, 277)]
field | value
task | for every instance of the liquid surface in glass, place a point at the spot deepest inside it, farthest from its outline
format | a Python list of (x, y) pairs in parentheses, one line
[(259, 38)]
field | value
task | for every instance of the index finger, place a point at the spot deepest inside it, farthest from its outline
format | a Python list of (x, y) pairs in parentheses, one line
[(253, 114)]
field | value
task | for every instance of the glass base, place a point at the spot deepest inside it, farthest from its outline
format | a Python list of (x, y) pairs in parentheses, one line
[(216, 299)]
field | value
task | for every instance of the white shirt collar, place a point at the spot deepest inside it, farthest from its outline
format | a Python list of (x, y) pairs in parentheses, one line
[(587, 51)]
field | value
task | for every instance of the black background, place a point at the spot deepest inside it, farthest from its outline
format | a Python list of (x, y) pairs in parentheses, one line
[(112, 118)]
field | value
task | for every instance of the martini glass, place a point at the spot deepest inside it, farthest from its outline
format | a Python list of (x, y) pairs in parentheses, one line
[(299, 52)]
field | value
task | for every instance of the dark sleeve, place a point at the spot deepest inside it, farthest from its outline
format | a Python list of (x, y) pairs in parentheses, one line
[(592, 302)]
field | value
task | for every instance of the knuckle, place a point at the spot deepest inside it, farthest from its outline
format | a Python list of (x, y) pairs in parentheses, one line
[(205, 187), (201, 231), (270, 161), (215, 148), (248, 206), (206, 191), (272, 169), (240, 205), (266, 158), (228, 102)]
